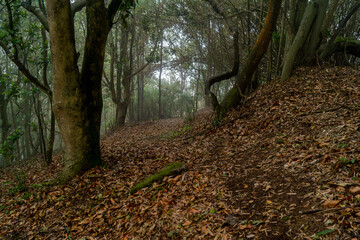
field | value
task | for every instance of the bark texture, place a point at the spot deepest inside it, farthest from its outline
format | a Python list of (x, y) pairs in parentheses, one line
[(299, 39), (77, 95), (235, 95)]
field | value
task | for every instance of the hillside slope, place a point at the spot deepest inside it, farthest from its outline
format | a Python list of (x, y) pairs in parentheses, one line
[(267, 172)]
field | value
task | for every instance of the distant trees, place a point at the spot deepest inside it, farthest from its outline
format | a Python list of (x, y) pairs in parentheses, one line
[(167, 59), (25, 44)]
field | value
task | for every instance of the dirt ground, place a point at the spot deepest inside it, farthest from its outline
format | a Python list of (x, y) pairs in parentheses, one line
[(283, 166)]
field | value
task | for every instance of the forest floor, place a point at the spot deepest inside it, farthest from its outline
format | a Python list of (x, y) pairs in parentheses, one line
[(283, 166)]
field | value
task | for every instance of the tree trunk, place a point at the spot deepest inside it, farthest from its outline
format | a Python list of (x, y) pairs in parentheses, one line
[(325, 49), (235, 95), (297, 9), (27, 129), (315, 34), (78, 96), (14, 126), (42, 143), (5, 125), (328, 19), (160, 75), (281, 43), (299, 39), (269, 63), (344, 45)]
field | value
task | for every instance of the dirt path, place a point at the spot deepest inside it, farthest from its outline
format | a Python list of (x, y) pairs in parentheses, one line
[(292, 148)]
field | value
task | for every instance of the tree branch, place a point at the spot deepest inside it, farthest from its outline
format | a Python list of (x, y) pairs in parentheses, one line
[(137, 71), (228, 74), (218, 10), (344, 21), (25, 71), (77, 6), (38, 14), (113, 8)]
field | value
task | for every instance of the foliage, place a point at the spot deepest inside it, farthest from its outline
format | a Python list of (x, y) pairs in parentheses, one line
[(19, 184), (178, 133), (8, 146)]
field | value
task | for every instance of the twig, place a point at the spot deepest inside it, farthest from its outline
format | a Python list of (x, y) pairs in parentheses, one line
[(329, 210)]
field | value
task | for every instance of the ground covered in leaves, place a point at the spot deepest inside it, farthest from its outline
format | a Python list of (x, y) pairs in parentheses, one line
[(283, 166)]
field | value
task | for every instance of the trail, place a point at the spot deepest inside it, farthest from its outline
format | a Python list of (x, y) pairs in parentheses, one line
[(292, 148)]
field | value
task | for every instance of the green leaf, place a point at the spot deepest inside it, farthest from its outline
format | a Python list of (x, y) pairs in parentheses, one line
[(325, 232), (286, 218)]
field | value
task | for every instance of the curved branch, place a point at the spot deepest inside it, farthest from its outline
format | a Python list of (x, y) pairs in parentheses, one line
[(38, 14), (228, 74), (349, 46), (77, 6), (224, 76), (26, 71)]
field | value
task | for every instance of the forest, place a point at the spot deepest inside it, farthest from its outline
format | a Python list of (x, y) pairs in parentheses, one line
[(169, 119)]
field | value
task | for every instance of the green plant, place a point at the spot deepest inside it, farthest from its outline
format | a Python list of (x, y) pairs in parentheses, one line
[(19, 184), (341, 145), (175, 134), (189, 115), (216, 122), (346, 161), (8, 146)]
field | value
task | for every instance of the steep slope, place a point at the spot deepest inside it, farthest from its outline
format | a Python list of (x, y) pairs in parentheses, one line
[(266, 172)]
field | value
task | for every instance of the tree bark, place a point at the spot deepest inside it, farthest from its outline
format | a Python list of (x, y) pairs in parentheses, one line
[(5, 125), (77, 95), (160, 75), (209, 96), (299, 39), (325, 48), (235, 95), (315, 34), (344, 45)]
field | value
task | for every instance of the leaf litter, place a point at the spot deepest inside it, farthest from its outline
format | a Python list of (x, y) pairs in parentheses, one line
[(283, 166)]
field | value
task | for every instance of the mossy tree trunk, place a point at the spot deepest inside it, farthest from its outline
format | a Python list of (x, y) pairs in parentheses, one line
[(77, 94), (235, 95), (343, 45), (310, 41)]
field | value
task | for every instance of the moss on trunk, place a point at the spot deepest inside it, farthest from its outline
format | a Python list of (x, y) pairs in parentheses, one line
[(170, 169)]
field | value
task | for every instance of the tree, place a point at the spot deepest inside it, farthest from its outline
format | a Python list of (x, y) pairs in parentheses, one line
[(243, 79), (77, 93), (310, 42), (17, 48)]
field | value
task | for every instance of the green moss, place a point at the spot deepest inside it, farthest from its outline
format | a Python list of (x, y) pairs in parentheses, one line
[(176, 134), (170, 169)]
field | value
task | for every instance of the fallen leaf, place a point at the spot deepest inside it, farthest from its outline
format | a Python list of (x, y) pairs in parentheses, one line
[(355, 190), (331, 203)]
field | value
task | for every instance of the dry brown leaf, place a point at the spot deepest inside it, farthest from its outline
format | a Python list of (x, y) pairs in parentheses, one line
[(331, 203)]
